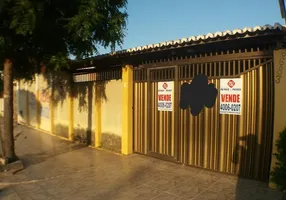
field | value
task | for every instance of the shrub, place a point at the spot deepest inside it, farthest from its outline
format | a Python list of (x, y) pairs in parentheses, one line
[(279, 171)]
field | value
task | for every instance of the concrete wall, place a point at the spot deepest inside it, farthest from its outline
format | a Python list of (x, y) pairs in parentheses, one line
[(60, 105), (44, 100), (15, 99), (89, 112), (279, 99), (32, 103), (84, 109), (22, 102), (112, 115)]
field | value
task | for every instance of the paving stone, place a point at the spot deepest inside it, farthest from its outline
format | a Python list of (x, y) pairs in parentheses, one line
[(143, 192), (209, 195), (13, 196), (167, 196), (162, 183), (186, 191), (13, 168), (60, 170), (223, 185)]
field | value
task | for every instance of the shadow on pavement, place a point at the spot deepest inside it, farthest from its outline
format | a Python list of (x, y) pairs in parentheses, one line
[(247, 189), (34, 147)]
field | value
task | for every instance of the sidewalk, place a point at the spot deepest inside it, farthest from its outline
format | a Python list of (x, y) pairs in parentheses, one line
[(58, 169)]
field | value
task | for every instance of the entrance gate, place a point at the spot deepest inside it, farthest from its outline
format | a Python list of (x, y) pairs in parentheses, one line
[(236, 144), (162, 137)]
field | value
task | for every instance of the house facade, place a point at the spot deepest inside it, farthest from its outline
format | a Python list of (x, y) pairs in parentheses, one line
[(129, 101)]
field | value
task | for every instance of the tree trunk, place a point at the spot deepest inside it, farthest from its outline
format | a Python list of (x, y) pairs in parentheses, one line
[(8, 137)]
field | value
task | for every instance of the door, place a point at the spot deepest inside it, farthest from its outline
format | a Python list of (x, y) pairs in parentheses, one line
[(162, 106)]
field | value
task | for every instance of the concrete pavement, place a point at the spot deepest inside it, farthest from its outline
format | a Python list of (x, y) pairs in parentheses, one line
[(58, 169)]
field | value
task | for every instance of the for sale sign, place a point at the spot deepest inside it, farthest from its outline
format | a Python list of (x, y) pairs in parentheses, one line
[(231, 96), (165, 96)]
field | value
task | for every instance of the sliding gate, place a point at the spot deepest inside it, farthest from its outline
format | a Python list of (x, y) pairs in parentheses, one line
[(236, 144)]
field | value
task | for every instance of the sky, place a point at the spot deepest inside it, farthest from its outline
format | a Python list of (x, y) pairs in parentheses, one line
[(155, 21)]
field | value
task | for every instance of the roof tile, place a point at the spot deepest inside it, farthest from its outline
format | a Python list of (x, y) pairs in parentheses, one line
[(217, 35)]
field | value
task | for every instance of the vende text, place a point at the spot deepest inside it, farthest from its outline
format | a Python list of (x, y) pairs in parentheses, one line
[(234, 98), (164, 97)]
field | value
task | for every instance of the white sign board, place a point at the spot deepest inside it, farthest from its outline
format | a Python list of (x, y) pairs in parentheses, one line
[(165, 96), (231, 96)]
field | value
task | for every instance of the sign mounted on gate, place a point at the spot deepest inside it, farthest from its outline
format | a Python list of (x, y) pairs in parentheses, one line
[(231, 96), (165, 96)]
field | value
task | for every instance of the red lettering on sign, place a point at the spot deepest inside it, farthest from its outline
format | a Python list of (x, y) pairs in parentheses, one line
[(223, 97), (164, 97), (234, 98)]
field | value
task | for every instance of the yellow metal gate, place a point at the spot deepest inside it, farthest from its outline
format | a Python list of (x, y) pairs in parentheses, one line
[(236, 144), (162, 130)]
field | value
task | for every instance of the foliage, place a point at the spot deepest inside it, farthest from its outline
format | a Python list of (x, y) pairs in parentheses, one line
[(36, 32), (279, 172)]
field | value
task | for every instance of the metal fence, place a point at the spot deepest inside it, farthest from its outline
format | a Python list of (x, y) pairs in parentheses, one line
[(209, 140)]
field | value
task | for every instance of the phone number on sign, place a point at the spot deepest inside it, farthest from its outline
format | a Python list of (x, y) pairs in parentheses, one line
[(230, 107), (168, 105), (164, 105)]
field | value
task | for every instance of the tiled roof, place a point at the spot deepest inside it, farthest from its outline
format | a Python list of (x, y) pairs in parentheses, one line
[(234, 34), (211, 36)]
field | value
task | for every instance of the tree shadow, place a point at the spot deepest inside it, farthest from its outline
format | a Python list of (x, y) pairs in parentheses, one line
[(87, 94), (246, 154), (62, 85), (32, 114), (29, 111), (81, 135), (111, 142), (59, 86), (30, 159), (34, 147), (32, 111), (124, 183)]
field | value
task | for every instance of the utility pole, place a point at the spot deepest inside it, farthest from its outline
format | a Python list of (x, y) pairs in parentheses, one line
[(282, 9)]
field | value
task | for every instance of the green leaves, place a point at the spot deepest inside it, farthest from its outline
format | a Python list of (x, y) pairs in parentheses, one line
[(279, 172), (99, 23), (59, 61), (23, 17), (47, 31)]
